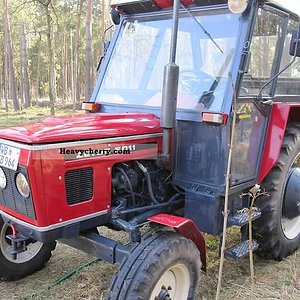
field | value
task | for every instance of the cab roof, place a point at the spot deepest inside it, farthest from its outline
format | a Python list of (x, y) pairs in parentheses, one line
[(137, 6)]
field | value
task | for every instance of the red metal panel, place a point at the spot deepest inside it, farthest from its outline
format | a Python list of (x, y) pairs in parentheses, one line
[(169, 3), (54, 168), (282, 113), (83, 127), (33, 165), (186, 228), (47, 168), (274, 138)]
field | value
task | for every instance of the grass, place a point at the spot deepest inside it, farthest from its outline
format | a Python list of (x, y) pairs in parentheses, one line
[(29, 115), (274, 280)]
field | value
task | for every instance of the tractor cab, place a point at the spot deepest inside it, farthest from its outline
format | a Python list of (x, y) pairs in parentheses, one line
[(184, 86), (223, 49), (133, 74)]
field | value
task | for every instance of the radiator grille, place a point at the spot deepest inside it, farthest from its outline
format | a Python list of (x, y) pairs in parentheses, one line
[(79, 185), (10, 197)]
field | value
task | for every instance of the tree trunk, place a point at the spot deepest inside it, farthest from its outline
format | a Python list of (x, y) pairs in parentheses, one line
[(38, 69), (77, 55), (21, 77), (1, 77), (24, 67), (88, 50), (10, 57), (5, 78), (73, 95), (103, 12), (63, 69), (52, 73)]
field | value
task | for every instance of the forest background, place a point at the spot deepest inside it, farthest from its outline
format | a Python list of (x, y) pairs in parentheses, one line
[(49, 50)]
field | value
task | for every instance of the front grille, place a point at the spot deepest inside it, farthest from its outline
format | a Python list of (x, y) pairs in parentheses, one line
[(79, 185), (10, 197)]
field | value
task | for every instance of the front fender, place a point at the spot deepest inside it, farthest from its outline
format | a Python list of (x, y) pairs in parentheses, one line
[(186, 228)]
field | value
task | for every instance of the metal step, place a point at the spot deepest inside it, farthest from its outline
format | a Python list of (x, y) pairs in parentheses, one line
[(241, 250), (242, 218)]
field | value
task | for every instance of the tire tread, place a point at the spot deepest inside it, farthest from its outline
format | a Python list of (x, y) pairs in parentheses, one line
[(267, 229)]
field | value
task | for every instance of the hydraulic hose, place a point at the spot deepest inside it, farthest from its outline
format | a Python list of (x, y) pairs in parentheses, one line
[(148, 181)]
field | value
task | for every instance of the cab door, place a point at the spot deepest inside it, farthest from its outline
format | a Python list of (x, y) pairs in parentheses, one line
[(253, 107)]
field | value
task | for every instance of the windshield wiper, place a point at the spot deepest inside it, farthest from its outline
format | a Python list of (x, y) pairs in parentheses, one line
[(207, 97), (201, 26)]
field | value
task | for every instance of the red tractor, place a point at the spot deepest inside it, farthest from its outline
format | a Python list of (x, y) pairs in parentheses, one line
[(154, 145)]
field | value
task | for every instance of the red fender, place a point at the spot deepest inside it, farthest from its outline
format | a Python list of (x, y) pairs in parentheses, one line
[(186, 228), (281, 115), (274, 138)]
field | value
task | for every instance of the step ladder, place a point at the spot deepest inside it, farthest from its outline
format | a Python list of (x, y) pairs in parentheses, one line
[(241, 250), (240, 219)]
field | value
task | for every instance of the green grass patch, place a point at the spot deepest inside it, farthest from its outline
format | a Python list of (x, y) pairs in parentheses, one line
[(30, 115)]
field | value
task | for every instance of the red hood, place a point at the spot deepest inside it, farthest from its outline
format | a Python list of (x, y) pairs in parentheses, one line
[(83, 127)]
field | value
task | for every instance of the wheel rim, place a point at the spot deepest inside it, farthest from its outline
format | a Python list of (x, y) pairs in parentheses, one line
[(291, 227), (174, 284), (32, 248)]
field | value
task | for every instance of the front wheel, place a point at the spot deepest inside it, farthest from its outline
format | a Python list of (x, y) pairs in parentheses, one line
[(27, 262), (164, 266)]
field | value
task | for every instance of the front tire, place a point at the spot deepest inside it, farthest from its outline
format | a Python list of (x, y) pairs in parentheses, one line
[(27, 262), (164, 266), (277, 234)]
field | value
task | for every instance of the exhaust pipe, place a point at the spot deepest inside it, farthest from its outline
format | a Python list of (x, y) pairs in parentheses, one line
[(170, 90)]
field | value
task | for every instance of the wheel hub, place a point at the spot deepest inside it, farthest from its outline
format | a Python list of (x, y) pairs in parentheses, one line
[(174, 284), (164, 294), (291, 207)]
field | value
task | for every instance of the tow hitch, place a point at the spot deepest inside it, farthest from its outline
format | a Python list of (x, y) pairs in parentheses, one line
[(18, 242)]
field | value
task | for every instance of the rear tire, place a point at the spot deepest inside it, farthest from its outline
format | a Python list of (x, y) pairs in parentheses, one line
[(164, 265), (278, 235), (28, 262)]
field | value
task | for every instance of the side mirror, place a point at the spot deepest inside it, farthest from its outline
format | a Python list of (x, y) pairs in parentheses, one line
[(115, 16), (295, 43)]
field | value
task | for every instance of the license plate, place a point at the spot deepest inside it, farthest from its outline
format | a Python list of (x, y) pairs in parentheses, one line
[(9, 157)]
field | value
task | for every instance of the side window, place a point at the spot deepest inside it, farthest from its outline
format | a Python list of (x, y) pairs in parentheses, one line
[(268, 30), (248, 140), (288, 81)]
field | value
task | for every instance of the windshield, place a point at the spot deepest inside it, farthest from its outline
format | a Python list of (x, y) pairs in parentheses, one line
[(134, 74)]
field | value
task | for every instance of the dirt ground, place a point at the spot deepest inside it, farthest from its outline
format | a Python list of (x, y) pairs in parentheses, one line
[(274, 280)]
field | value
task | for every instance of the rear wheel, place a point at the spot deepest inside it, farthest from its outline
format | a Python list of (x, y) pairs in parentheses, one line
[(27, 262), (278, 230), (164, 266)]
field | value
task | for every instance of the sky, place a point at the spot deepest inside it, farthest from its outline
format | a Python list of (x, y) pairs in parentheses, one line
[(293, 5)]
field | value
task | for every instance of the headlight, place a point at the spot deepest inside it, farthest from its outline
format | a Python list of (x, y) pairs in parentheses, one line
[(3, 181), (22, 185)]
